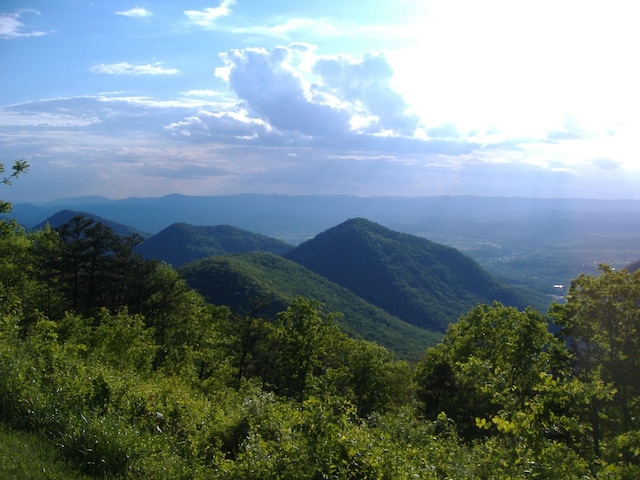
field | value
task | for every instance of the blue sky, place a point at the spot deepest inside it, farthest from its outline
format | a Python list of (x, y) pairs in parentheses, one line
[(410, 97)]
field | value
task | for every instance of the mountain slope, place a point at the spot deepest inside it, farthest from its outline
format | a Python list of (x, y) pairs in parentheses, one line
[(241, 281), (64, 216), (181, 243), (421, 282), (633, 267)]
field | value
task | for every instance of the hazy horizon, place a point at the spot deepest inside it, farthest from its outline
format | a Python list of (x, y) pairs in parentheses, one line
[(368, 98)]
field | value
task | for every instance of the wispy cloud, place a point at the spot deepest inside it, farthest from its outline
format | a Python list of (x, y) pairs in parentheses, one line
[(201, 93), (126, 68), (326, 27), (322, 27), (11, 27), (207, 17), (135, 12), (606, 163)]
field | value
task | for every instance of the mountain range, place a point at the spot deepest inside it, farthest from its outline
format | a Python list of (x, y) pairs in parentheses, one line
[(397, 289)]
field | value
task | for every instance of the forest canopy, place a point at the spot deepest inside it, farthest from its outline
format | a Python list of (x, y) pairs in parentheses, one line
[(127, 372)]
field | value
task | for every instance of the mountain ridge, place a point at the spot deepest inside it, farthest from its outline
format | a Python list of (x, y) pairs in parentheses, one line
[(181, 243), (63, 216), (422, 282), (246, 281), (534, 243)]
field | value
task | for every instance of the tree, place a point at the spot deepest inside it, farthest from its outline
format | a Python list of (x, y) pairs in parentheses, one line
[(601, 323), (17, 287), (87, 266), (19, 167), (488, 362), (301, 341), (375, 380)]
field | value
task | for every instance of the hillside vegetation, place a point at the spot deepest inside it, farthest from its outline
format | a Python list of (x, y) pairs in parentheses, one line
[(264, 284), (181, 243), (535, 243), (423, 283), (114, 361), (63, 217)]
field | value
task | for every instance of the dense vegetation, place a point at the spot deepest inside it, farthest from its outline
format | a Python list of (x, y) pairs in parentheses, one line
[(422, 282), (263, 284), (181, 243), (62, 217), (117, 364)]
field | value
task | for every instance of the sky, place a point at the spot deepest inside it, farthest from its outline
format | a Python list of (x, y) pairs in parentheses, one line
[(371, 98)]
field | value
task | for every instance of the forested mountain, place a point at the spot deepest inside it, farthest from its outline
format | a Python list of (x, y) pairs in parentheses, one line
[(114, 365), (419, 281), (181, 243), (261, 283), (634, 266), (537, 243), (64, 216)]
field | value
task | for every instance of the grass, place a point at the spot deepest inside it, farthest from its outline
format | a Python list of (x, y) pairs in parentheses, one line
[(27, 456)]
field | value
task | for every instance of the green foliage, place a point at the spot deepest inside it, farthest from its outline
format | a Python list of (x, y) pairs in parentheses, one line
[(18, 288), (87, 266), (489, 362), (180, 243), (25, 456), (169, 386), (123, 341), (19, 167), (601, 320), (300, 337), (264, 284), (421, 282)]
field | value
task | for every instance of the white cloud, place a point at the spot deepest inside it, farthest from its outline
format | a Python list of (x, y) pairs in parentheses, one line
[(293, 28), (11, 27), (367, 82), (126, 68), (347, 95), (208, 16), (276, 91), (522, 66), (201, 93), (230, 124), (318, 27), (135, 12)]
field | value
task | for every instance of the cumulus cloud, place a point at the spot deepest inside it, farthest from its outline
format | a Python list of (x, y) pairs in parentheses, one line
[(226, 148), (368, 82), (271, 86), (135, 12), (208, 17), (11, 27), (126, 68), (351, 96), (232, 126)]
